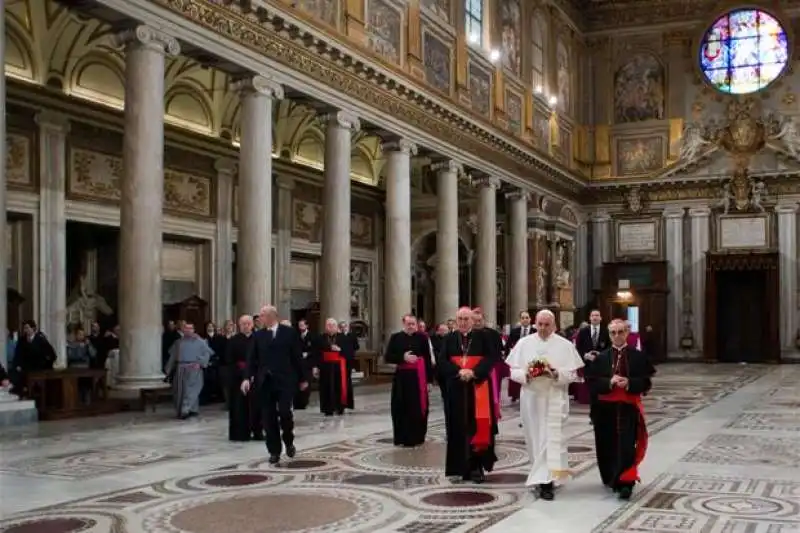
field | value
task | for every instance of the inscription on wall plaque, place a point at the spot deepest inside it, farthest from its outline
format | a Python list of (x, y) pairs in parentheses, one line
[(743, 232), (637, 238)]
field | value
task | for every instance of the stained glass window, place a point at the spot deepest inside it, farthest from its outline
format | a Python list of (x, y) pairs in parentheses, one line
[(744, 51)]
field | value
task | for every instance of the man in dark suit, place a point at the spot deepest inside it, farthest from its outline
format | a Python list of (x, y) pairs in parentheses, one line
[(590, 341), (302, 397), (524, 329), (275, 369)]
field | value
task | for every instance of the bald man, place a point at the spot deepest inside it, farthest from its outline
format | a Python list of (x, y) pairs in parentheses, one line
[(466, 360), (275, 369), (244, 414), (333, 355)]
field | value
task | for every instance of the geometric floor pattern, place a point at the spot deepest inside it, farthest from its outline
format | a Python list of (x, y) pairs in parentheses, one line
[(146, 473)]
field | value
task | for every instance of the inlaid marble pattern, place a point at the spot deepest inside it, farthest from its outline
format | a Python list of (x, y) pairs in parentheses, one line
[(351, 480)]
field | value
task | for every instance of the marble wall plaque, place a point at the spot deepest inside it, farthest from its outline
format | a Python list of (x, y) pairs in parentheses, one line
[(737, 232), (303, 275), (637, 238), (384, 30), (19, 160), (179, 262), (480, 89), (438, 61)]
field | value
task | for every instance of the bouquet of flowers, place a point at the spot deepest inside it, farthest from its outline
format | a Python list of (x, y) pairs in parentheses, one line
[(538, 367)]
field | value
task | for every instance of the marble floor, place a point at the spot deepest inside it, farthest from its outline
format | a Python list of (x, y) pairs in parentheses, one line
[(724, 458)]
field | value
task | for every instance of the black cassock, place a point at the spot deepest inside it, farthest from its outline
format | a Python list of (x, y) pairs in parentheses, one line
[(470, 414), (335, 380), (302, 397), (410, 387), (244, 415), (619, 426)]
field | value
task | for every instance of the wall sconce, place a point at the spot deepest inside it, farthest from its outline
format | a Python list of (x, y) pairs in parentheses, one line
[(494, 55), (552, 101)]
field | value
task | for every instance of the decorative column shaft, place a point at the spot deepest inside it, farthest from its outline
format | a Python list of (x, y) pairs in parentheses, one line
[(787, 246), (141, 210), (397, 255), (223, 246), (601, 247), (53, 131), (446, 240), (283, 247), (254, 240), (335, 260), (553, 243), (673, 230), (700, 245), (3, 192), (581, 279), (486, 271), (518, 254)]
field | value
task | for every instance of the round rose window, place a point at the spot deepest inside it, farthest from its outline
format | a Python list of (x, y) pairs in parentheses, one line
[(744, 51)]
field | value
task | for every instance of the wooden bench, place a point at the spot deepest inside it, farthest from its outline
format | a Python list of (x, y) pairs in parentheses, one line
[(69, 392), (366, 363), (153, 395)]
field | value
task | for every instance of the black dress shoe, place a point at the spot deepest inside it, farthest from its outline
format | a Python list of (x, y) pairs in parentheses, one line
[(546, 492), (625, 493), (478, 476), (291, 451), (274, 459)]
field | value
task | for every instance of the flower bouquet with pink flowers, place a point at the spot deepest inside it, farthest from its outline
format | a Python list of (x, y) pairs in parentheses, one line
[(537, 368)]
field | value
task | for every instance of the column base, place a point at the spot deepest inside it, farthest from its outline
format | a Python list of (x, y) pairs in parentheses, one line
[(790, 355), (14, 412), (131, 386)]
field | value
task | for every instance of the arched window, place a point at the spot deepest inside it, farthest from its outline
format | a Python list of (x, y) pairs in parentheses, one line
[(474, 22), (537, 51), (744, 51)]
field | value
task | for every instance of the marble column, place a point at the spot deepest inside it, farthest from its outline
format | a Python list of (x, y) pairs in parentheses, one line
[(518, 254), (397, 252), (673, 231), (53, 131), (335, 260), (223, 246), (486, 269), (701, 237), (141, 210), (446, 240), (601, 247), (553, 242), (283, 247), (581, 277), (3, 191), (787, 271), (254, 196)]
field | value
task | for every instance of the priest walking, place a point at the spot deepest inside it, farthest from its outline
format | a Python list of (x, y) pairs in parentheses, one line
[(466, 361), (545, 364), (334, 353), (410, 350), (619, 376), (188, 356)]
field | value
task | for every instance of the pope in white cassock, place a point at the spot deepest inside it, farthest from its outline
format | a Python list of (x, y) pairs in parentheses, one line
[(544, 403)]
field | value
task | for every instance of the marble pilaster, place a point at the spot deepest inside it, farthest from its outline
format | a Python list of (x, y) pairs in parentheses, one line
[(580, 263), (446, 240), (53, 131), (3, 192), (336, 202), (787, 248), (254, 240), (518, 254), (223, 245), (553, 243), (397, 253), (283, 247), (486, 268), (673, 231), (601, 246), (141, 209), (701, 242)]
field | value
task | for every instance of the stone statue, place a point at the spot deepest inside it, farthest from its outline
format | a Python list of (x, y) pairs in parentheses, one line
[(541, 280), (83, 305), (727, 198), (790, 137), (692, 142), (634, 199), (562, 273), (757, 192)]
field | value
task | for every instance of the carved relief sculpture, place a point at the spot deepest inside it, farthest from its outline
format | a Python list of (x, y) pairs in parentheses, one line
[(384, 27), (326, 11), (639, 89), (633, 199), (693, 142), (510, 30), (438, 62), (18, 160), (480, 89), (563, 77)]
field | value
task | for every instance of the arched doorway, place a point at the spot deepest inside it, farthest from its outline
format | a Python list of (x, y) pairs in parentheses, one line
[(423, 277)]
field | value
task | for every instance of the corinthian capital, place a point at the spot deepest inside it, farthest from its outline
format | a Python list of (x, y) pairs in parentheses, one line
[(147, 37), (403, 146), (342, 119), (263, 85)]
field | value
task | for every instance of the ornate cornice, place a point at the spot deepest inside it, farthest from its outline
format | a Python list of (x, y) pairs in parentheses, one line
[(268, 31)]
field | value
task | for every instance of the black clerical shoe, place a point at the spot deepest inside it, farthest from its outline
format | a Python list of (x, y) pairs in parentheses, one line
[(274, 459), (625, 493), (546, 492), (477, 476), (291, 451)]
